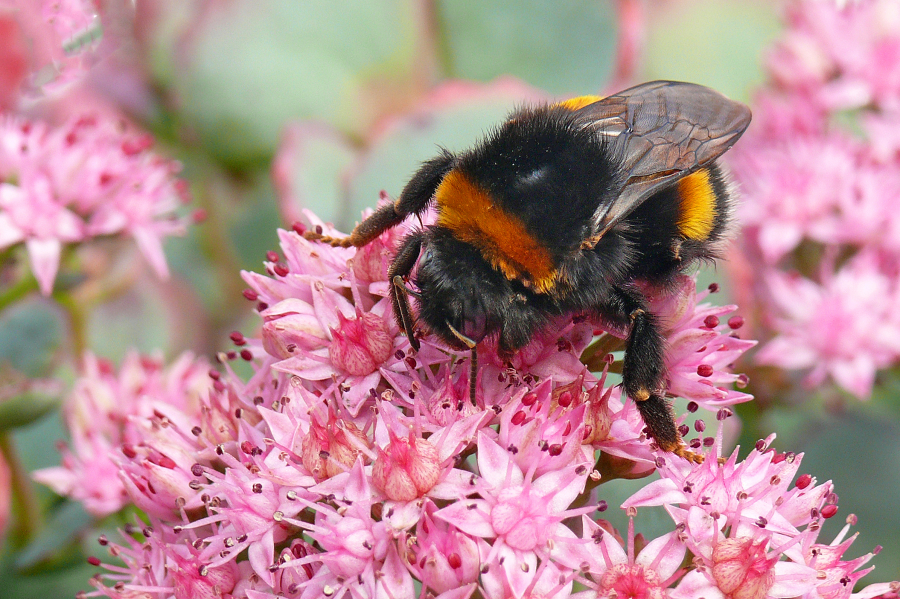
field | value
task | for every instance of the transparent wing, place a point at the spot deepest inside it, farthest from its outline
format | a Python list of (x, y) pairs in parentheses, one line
[(657, 133)]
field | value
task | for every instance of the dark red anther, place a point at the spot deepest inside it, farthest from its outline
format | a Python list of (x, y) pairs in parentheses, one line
[(735, 322), (135, 146), (803, 481), (166, 462)]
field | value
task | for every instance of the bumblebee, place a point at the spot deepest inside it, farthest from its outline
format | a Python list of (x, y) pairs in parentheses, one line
[(568, 208)]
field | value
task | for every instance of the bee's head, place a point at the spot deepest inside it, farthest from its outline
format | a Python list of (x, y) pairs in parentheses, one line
[(461, 296)]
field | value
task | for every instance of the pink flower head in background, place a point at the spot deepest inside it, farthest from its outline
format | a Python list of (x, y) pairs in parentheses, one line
[(142, 414), (86, 179), (820, 176)]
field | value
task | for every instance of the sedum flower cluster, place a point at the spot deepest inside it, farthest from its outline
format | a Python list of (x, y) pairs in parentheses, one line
[(820, 178), (89, 178), (346, 465)]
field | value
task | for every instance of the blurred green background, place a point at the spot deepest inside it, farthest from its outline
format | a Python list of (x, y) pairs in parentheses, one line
[(275, 106)]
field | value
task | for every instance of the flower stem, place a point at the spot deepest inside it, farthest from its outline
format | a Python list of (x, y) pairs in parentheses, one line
[(24, 501), (594, 355), (22, 287), (77, 320)]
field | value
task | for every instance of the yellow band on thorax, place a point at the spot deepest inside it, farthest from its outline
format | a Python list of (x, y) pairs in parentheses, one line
[(579, 102)]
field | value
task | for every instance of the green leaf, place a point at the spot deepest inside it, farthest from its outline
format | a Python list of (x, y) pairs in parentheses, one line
[(23, 401), (252, 65), (30, 335), (312, 171), (710, 42), (563, 46), (54, 543)]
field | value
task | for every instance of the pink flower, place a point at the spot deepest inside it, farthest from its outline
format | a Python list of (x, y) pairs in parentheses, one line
[(702, 346), (80, 181), (821, 239), (613, 572), (443, 557), (519, 514), (331, 449), (406, 468), (846, 328), (134, 423), (841, 56), (314, 477), (753, 532), (62, 38), (360, 345)]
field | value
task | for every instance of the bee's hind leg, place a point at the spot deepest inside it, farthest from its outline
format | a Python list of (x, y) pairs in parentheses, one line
[(643, 371)]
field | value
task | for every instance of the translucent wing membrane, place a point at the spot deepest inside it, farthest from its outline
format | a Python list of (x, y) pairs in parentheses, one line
[(659, 132)]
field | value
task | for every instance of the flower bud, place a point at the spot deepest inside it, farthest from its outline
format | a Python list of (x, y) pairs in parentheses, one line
[(742, 569), (447, 559), (291, 579), (406, 469), (360, 345), (597, 419), (332, 449)]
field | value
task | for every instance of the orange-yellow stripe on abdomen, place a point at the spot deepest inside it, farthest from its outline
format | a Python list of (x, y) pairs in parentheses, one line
[(697, 202), (471, 215)]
